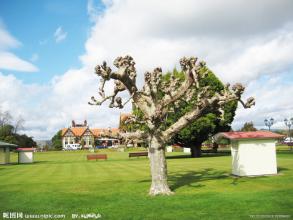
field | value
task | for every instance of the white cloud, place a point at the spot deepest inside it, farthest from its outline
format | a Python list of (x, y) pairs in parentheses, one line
[(8, 60), (270, 56), (273, 101), (6, 40), (60, 35), (94, 10), (240, 42)]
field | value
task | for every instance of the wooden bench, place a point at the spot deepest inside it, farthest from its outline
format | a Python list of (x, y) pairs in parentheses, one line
[(96, 156), (138, 154)]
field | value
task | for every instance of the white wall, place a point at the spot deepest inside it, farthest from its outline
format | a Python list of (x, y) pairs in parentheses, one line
[(2, 156), (186, 150), (25, 157), (169, 149), (253, 157), (7, 155)]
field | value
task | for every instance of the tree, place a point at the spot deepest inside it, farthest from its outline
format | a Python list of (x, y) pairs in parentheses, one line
[(18, 124), (25, 141), (248, 126), (200, 130), (5, 118), (209, 123), (7, 134), (57, 140), (156, 105)]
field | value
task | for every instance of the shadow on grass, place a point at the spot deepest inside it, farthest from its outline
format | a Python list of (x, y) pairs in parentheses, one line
[(195, 179), (281, 169), (204, 155)]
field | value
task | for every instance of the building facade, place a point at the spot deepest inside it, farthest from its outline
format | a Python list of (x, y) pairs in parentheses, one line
[(88, 137)]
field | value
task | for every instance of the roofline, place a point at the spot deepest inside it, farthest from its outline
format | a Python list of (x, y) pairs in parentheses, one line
[(223, 135), (87, 128)]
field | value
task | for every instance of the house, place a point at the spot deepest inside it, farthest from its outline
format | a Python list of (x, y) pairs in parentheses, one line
[(253, 153), (88, 137)]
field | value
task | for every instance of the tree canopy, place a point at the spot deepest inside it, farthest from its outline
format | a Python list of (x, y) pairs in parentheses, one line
[(200, 130), (248, 126), (57, 140), (7, 134)]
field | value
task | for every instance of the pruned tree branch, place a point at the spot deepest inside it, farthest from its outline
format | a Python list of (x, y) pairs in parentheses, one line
[(138, 135), (154, 106)]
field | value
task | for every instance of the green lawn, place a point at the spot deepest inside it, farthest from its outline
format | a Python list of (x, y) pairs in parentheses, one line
[(65, 183)]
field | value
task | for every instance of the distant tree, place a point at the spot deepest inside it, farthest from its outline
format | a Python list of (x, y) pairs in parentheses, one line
[(5, 118), (7, 134), (57, 140), (248, 126), (25, 141), (18, 124)]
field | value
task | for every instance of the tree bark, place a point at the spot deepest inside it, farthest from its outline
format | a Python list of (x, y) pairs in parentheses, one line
[(158, 168), (196, 150)]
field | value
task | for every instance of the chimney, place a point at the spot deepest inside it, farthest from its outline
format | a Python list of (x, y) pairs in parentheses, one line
[(73, 123), (85, 123)]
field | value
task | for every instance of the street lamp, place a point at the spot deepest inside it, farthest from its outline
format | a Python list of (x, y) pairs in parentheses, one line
[(269, 123), (289, 123)]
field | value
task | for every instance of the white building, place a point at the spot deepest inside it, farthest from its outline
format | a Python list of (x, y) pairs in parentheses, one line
[(86, 137), (25, 155), (5, 149), (253, 153)]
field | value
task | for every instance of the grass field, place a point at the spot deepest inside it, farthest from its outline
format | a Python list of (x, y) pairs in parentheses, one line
[(65, 183)]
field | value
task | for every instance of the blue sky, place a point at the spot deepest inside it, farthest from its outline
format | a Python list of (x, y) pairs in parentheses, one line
[(34, 23), (49, 48)]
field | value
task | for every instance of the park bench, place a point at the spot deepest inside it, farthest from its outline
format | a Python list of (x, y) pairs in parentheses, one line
[(96, 156), (138, 154)]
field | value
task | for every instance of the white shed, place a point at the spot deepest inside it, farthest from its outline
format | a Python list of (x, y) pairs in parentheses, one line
[(169, 149), (253, 153), (5, 149), (25, 155)]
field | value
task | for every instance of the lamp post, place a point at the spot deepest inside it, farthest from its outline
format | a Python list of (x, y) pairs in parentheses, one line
[(289, 123), (269, 123)]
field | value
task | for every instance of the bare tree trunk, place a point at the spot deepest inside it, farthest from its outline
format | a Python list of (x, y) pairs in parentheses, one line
[(158, 167), (196, 150)]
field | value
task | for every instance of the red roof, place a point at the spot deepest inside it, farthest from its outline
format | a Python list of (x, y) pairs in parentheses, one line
[(25, 149), (235, 135), (79, 131)]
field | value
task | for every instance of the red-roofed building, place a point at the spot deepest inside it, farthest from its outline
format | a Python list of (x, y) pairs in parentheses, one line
[(81, 134), (253, 153), (237, 135)]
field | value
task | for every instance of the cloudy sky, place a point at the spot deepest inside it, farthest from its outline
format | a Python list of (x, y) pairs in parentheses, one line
[(48, 50)]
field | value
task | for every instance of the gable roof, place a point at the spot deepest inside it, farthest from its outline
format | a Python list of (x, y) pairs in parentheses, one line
[(237, 135), (63, 131), (79, 131)]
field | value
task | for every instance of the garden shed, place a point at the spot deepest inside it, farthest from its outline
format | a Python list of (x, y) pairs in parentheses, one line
[(5, 149), (25, 155), (253, 153)]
